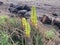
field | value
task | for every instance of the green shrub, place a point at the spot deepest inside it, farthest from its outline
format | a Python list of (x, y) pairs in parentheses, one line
[(14, 22), (3, 38), (3, 19), (50, 34)]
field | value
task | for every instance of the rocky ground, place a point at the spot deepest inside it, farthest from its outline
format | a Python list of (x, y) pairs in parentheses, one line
[(43, 7)]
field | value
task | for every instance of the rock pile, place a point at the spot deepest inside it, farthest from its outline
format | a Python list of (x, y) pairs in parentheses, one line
[(21, 10)]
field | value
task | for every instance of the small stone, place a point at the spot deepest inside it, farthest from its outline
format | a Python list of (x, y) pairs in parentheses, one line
[(22, 12)]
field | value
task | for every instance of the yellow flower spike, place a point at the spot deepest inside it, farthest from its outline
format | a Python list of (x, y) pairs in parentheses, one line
[(27, 30), (24, 21), (26, 27), (34, 16)]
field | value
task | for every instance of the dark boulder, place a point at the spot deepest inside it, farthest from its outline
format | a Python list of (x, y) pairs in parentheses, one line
[(54, 14), (57, 23), (19, 7), (12, 5), (12, 10), (45, 19), (1, 3), (26, 7), (27, 15)]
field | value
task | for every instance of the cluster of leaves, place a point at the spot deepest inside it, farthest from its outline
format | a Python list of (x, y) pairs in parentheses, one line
[(37, 37), (3, 19), (4, 38), (50, 34)]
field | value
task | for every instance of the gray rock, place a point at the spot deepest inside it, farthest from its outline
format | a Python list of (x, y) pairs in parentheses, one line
[(22, 12), (27, 15)]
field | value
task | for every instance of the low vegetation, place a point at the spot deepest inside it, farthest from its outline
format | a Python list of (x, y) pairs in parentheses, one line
[(19, 31)]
